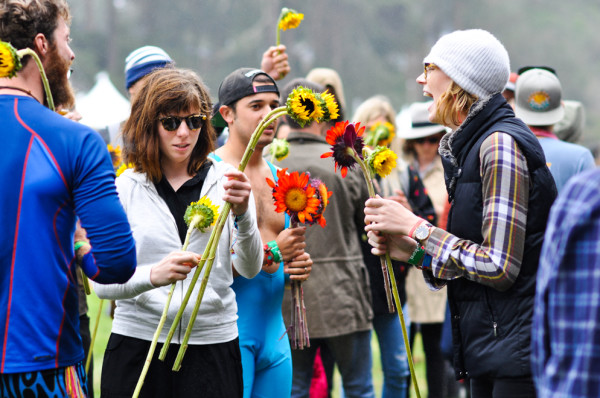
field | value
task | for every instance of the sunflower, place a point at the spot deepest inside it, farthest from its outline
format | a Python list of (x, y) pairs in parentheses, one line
[(382, 161), (323, 195), (304, 106), (10, 62), (329, 106), (293, 195), (123, 167), (346, 143), (279, 149), (289, 19), (380, 134), (203, 213), (115, 154)]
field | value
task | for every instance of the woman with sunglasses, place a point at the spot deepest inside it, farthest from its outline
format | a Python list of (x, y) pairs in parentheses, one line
[(167, 139), (501, 192)]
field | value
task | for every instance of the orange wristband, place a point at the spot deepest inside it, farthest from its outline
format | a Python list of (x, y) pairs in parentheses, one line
[(412, 230)]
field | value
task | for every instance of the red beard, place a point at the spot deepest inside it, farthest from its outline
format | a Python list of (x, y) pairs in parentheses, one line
[(57, 70)]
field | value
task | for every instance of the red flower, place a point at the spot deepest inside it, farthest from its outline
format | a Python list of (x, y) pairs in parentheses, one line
[(346, 140)]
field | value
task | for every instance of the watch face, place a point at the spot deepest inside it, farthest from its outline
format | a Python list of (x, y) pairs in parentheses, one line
[(422, 232)]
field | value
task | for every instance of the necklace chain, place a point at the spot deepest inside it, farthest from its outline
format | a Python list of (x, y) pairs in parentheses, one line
[(20, 89)]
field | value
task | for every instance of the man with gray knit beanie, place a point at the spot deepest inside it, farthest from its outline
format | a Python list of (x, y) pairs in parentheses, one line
[(500, 191)]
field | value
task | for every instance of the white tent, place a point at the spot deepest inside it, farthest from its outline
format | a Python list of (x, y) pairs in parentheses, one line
[(103, 105)]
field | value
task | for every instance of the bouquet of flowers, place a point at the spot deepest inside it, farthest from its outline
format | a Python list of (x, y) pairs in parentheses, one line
[(348, 150), (304, 200)]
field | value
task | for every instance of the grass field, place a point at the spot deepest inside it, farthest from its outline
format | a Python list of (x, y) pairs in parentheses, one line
[(104, 332)]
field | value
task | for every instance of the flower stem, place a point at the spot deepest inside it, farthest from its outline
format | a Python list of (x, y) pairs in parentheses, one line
[(392, 278), (163, 318), (384, 264), (278, 38), (204, 283), (94, 333), (403, 324), (186, 298), (84, 281), (29, 51)]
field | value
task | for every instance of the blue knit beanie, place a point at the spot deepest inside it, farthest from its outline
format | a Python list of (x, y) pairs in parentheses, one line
[(474, 59), (142, 61)]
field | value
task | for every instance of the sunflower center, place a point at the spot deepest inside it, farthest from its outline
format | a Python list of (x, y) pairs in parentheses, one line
[(308, 104), (295, 199)]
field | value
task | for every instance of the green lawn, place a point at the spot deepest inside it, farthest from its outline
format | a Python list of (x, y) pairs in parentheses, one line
[(104, 332)]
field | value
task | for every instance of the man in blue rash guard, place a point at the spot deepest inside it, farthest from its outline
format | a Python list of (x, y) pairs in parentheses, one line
[(53, 171)]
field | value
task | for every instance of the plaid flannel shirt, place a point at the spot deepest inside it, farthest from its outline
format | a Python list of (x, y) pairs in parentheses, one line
[(566, 320), (495, 262)]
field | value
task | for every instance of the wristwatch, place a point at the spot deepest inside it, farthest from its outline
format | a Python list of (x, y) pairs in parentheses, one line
[(422, 232)]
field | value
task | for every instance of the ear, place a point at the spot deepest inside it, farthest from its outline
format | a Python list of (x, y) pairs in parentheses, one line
[(41, 44), (227, 113)]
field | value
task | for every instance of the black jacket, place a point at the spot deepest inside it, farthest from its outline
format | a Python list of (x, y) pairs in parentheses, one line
[(491, 329)]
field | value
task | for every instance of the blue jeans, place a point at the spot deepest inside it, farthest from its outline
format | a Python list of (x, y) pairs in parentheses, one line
[(394, 361), (352, 354)]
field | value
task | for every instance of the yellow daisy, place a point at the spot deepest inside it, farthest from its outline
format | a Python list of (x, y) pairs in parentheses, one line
[(380, 134), (290, 19), (115, 154), (9, 60), (202, 213), (279, 148), (304, 106), (123, 167), (329, 106), (382, 161)]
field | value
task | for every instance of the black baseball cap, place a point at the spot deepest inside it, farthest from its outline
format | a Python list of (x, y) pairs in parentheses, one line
[(237, 85)]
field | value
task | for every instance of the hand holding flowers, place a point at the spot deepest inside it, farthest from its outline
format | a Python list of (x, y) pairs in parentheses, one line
[(304, 200), (291, 242), (388, 217), (348, 150), (237, 191)]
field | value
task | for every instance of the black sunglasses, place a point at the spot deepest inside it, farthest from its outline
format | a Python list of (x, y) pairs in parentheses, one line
[(172, 123), (431, 140)]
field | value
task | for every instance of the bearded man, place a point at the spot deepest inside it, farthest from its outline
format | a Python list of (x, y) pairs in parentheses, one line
[(53, 172)]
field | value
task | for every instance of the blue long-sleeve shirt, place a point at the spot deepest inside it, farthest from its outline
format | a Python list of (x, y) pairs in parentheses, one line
[(52, 170)]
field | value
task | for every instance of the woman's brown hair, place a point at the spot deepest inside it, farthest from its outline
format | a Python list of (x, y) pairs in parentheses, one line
[(452, 103), (164, 92)]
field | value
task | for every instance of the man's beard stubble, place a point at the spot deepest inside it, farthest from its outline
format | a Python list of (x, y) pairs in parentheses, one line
[(57, 70)]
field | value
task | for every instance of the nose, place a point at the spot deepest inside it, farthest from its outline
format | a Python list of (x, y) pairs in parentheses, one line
[(183, 129), (421, 79)]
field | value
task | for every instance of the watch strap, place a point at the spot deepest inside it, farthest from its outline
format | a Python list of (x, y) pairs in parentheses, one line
[(417, 255)]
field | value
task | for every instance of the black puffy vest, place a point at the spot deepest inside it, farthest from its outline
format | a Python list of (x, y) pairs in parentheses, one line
[(491, 329)]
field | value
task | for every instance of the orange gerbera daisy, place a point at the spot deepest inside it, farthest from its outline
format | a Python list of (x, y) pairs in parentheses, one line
[(293, 195)]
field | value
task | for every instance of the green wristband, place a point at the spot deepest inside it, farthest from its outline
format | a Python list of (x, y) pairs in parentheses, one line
[(417, 255), (79, 244), (277, 258)]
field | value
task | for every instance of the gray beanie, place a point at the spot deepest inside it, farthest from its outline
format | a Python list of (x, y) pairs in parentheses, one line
[(474, 59)]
